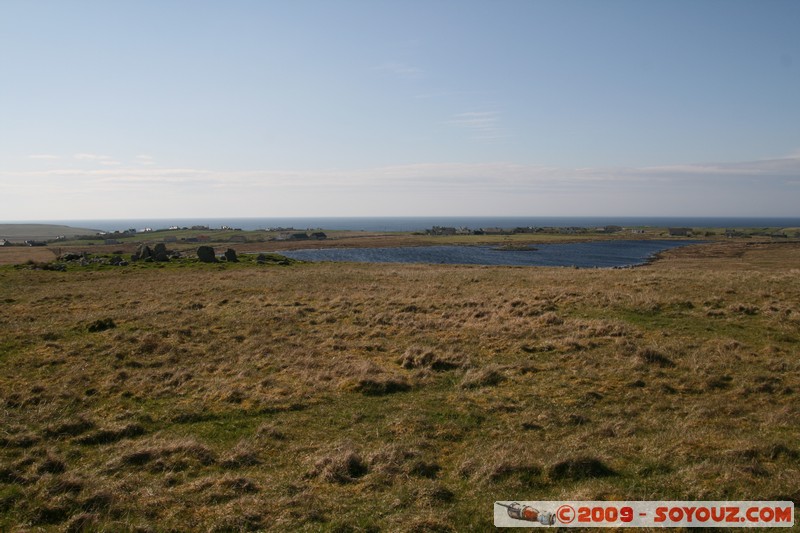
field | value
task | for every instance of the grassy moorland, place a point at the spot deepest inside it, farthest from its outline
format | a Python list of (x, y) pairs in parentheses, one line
[(354, 397), (22, 232), (260, 241)]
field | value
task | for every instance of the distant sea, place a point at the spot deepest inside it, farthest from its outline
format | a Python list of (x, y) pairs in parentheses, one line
[(422, 223)]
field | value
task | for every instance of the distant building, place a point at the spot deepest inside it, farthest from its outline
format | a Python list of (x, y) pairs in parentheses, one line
[(4, 242), (319, 235), (298, 236), (680, 232)]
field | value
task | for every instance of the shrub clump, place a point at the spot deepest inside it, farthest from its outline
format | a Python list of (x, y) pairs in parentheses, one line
[(379, 386), (485, 377), (51, 465), (579, 468), (344, 466), (242, 455), (371, 380), (69, 428), (416, 357), (107, 436), (653, 357), (102, 325), (167, 456)]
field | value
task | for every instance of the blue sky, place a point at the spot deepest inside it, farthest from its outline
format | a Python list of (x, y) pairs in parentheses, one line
[(365, 108)]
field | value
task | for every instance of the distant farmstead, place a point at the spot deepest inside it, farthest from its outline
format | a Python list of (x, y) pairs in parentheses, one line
[(297, 236), (610, 229), (441, 230)]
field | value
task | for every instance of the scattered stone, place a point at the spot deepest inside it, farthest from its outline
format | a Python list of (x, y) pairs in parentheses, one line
[(230, 256), (275, 259), (160, 253), (206, 254), (143, 253)]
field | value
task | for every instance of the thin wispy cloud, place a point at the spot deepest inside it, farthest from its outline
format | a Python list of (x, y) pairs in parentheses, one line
[(96, 158), (479, 176), (783, 166), (90, 157), (479, 188), (400, 70), (482, 125)]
